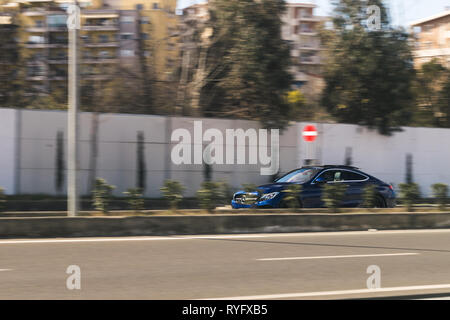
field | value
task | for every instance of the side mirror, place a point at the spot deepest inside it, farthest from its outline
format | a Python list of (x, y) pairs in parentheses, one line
[(320, 181)]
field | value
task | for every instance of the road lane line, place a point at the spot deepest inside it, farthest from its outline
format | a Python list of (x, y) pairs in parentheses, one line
[(334, 293), (236, 236), (340, 257), (5, 270)]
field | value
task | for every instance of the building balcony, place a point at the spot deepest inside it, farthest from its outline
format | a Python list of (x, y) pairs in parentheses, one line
[(40, 12), (58, 44), (59, 28), (313, 60), (36, 62), (58, 60), (309, 18), (101, 44), (308, 32), (100, 14), (308, 47), (100, 60), (430, 53), (34, 45), (100, 28), (58, 78), (30, 45), (36, 12), (36, 29), (95, 77), (37, 78)]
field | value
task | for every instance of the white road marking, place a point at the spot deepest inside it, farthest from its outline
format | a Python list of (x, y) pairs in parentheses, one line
[(335, 293), (340, 257), (237, 236), (5, 270)]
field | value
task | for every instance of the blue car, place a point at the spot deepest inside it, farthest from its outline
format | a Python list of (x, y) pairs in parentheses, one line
[(312, 180)]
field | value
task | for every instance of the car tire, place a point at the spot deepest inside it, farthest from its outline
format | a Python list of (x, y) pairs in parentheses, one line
[(284, 205), (380, 203)]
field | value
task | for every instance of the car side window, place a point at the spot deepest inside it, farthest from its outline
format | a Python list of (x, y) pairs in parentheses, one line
[(332, 176), (353, 176)]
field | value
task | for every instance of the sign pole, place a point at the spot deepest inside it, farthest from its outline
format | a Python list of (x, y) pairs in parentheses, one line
[(73, 24)]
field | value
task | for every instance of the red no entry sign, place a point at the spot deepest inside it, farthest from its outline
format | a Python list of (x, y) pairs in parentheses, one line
[(310, 133)]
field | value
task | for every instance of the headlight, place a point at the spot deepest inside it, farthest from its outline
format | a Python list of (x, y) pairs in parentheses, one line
[(269, 196)]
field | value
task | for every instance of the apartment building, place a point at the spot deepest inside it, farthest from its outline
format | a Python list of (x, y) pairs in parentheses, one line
[(433, 39), (113, 33), (155, 22), (300, 28)]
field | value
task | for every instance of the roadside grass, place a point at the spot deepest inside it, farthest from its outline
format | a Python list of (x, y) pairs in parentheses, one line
[(223, 211)]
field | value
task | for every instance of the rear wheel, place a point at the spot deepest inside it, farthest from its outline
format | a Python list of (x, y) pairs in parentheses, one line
[(379, 203)]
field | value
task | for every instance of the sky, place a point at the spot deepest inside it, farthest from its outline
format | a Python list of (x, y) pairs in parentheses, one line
[(403, 12)]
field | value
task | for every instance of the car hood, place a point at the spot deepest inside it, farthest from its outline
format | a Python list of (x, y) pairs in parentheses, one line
[(268, 188), (274, 187)]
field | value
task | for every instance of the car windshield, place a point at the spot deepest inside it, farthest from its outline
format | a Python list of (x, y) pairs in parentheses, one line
[(299, 176)]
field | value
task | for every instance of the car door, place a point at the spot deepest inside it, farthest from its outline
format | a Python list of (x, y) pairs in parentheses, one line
[(313, 194), (355, 183)]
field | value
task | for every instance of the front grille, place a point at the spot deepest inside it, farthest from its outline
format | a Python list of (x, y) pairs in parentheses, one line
[(246, 199)]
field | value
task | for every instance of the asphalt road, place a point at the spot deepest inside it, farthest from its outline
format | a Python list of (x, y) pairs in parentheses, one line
[(285, 266)]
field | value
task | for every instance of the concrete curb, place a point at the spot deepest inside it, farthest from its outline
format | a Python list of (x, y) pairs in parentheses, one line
[(52, 227)]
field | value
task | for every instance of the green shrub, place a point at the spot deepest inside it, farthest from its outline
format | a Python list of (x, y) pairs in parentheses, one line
[(292, 195), (226, 193), (101, 195), (333, 196), (135, 199), (2, 200), (409, 194), (173, 193), (440, 193), (370, 196), (211, 195)]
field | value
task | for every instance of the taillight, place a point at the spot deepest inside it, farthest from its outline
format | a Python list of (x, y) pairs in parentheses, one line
[(391, 187)]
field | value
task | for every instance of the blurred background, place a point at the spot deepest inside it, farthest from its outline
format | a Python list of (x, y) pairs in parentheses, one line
[(379, 97)]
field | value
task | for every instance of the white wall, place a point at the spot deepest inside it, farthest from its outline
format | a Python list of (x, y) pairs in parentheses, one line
[(7, 149), (384, 157)]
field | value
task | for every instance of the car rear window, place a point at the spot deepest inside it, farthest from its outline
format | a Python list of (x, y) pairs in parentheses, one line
[(353, 176)]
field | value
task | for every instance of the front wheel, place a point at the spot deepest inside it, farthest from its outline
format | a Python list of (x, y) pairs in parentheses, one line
[(285, 205)]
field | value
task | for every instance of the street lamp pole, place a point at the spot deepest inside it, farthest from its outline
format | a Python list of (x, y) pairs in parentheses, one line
[(73, 25)]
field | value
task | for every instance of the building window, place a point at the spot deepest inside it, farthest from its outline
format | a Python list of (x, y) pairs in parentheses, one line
[(127, 19), (126, 36), (139, 6), (127, 53), (428, 28), (36, 39), (39, 23), (145, 20), (57, 21), (104, 55), (155, 5), (103, 38)]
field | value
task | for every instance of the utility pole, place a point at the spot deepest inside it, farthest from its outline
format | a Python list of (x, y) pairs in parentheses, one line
[(73, 25)]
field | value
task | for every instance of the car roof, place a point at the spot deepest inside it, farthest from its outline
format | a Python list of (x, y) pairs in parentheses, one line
[(332, 167)]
